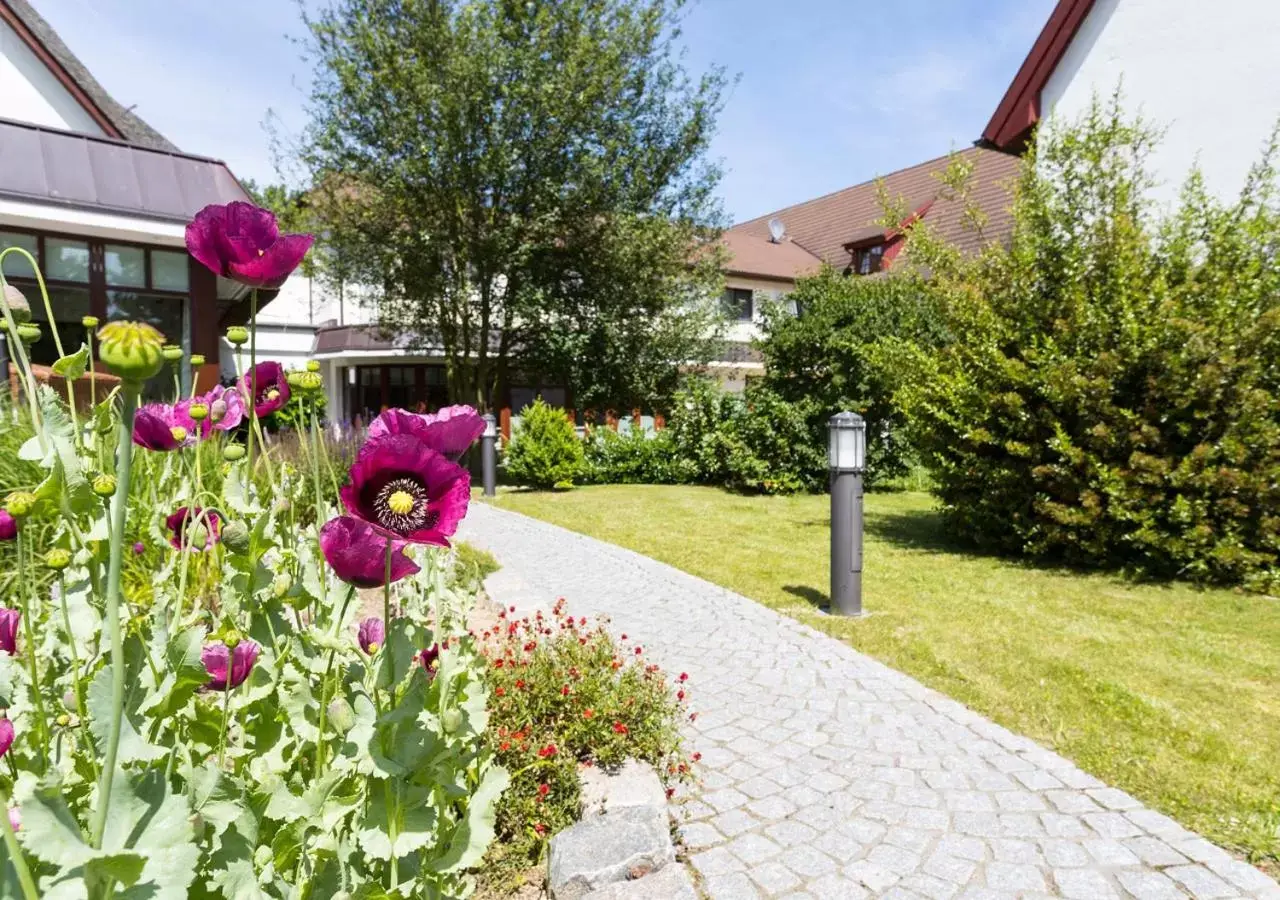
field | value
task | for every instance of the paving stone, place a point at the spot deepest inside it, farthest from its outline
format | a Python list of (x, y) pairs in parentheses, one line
[(671, 882), (753, 848), (839, 761), (633, 784), (600, 850)]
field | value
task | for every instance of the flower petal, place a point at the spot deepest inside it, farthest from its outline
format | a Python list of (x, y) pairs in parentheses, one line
[(357, 554), (275, 264)]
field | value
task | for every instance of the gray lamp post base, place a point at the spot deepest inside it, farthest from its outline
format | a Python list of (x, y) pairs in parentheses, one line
[(846, 543)]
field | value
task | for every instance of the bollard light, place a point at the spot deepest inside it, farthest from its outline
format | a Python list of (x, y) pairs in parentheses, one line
[(489, 453), (846, 456)]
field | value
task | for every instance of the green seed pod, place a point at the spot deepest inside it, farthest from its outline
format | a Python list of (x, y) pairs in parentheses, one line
[(280, 584), (171, 352), (237, 335), (198, 412), (232, 638), (313, 365), (197, 359), (133, 350), (235, 537), (292, 378), (233, 452), (57, 559), (451, 720), (19, 503), (29, 332), (89, 322), (104, 485), (64, 720), (341, 715), (17, 303), (309, 381)]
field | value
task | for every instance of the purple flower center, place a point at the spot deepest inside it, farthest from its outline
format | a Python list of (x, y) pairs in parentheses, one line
[(402, 505)]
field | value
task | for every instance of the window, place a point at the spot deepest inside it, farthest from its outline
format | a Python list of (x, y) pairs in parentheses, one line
[(66, 260), (70, 305), (736, 303), (16, 265), (166, 314), (866, 260), (126, 266), (169, 270)]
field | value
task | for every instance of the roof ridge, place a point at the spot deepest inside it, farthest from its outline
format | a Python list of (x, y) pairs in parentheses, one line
[(860, 184)]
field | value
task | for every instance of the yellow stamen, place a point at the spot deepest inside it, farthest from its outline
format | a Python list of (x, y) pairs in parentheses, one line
[(273, 394), (373, 648), (179, 433), (400, 503)]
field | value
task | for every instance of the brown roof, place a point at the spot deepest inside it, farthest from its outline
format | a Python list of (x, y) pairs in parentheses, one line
[(749, 254), (824, 226)]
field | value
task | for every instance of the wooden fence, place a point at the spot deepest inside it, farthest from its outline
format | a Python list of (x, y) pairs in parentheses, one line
[(591, 418)]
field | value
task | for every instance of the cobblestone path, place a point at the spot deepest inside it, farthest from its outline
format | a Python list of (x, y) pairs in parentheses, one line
[(826, 774)]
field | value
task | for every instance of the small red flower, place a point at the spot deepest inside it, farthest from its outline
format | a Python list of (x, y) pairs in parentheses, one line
[(588, 713), (544, 789), (696, 757), (564, 691), (624, 637), (519, 684), (684, 676), (616, 664), (548, 751), (639, 650), (539, 828), (680, 695), (619, 728), (499, 692), (505, 745)]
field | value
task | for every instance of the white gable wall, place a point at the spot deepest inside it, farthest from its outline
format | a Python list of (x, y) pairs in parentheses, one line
[(29, 92), (1209, 73)]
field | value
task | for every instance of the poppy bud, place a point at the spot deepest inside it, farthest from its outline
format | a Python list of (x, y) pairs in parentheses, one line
[(235, 537), (69, 700), (139, 548), (57, 559), (232, 452), (17, 303), (104, 485), (341, 715), (198, 412), (171, 352), (29, 332), (451, 720), (197, 359), (313, 365), (89, 322), (280, 584), (133, 350), (19, 503), (263, 857), (237, 335)]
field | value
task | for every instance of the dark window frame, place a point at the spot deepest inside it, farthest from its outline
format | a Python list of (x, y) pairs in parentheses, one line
[(738, 304), (867, 260)]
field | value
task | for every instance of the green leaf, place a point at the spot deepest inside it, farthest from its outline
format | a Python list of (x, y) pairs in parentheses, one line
[(49, 831), (148, 818), (238, 881), (133, 747), (184, 674), (124, 867), (474, 833), (73, 366)]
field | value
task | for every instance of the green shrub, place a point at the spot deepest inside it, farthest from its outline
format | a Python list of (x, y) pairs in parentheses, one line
[(637, 457), (1113, 394), (564, 693), (545, 451), (829, 358), (768, 445), (696, 418)]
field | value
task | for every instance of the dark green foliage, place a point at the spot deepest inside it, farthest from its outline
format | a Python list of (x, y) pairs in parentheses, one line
[(833, 357), (697, 414), (637, 457), (1111, 397), (545, 450)]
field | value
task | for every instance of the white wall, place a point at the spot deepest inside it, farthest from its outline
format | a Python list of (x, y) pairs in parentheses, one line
[(29, 92), (1207, 72), (762, 290)]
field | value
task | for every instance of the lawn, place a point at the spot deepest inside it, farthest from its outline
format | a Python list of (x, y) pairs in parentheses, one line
[(1167, 691)]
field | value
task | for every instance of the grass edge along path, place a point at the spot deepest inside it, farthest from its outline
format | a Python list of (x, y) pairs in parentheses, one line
[(1167, 691)]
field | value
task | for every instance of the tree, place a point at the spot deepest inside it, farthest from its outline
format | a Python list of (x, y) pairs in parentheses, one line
[(525, 183)]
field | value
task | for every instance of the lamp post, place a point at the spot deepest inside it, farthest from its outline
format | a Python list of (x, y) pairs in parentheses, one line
[(846, 456), (488, 454)]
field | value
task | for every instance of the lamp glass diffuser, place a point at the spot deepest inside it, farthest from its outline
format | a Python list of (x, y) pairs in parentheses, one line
[(490, 425), (847, 444)]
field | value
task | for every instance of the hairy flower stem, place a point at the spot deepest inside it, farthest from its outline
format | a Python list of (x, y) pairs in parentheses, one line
[(324, 682), (119, 514), (16, 858), (390, 663), (315, 477), (226, 713), (75, 674), (36, 691)]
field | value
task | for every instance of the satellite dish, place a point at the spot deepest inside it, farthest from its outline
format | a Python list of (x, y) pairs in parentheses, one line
[(777, 231)]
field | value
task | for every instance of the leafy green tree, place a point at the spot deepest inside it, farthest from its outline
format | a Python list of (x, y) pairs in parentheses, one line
[(525, 183), (1112, 394)]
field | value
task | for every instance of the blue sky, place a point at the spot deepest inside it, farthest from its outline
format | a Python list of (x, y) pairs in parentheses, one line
[(831, 92)]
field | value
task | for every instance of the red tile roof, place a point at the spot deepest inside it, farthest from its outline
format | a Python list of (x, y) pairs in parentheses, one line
[(759, 257), (822, 227)]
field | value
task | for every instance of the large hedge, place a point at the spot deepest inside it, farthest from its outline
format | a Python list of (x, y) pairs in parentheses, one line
[(1111, 395)]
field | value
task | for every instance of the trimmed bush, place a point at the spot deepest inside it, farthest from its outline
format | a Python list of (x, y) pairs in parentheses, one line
[(545, 451), (1113, 394), (637, 457)]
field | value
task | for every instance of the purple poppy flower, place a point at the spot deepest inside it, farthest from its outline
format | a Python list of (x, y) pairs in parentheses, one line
[(9, 619), (430, 659), (218, 659), (407, 491), (179, 522), (449, 431), (357, 553), (8, 526), (268, 387), (6, 736), (243, 242), (156, 427), (226, 408), (182, 418), (372, 635)]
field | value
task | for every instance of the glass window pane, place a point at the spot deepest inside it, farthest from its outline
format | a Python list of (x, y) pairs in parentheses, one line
[(15, 265), (168, 270), (126, 266), (164, 313), (70, 305), (66, 260)]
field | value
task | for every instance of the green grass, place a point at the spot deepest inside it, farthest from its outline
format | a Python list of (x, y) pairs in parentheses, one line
[(1167, 691)]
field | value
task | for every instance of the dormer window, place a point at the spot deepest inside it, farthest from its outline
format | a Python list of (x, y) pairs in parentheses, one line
[(866, 260)]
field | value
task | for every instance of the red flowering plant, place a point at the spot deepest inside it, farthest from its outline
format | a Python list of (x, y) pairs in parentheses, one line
[(566, 693)]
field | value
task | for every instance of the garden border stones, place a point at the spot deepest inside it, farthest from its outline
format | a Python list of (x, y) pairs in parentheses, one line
[(621, 849)]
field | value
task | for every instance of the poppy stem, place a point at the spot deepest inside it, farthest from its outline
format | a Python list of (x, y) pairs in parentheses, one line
[(36, 691), (119, 515), (226, 708), (386, 620), (15, 853), (75, 674)]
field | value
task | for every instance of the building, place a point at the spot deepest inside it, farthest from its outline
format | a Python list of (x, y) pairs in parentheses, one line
[(102, 200), (1209, 76)]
